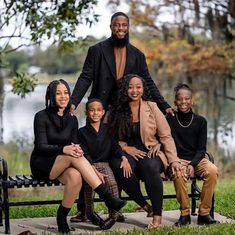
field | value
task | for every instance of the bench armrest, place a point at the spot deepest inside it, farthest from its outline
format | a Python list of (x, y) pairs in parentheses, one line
[(210, 157), (3, 169)]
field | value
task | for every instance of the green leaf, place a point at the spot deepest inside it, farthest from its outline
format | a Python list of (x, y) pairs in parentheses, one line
[(22, 84)]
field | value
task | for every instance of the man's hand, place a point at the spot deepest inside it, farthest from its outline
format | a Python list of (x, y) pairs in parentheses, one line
[(170, 111), (125, 165), (72, 109)]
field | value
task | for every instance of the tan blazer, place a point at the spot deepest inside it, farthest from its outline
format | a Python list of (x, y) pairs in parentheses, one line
[(154, 130)]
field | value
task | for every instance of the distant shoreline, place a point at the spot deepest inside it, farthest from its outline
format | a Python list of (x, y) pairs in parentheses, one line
[(45, 78)]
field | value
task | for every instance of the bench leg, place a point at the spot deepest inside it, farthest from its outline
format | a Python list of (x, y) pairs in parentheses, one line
[(1, 223), (1, 194), (212, 214), (1, 207), (193, 192), (6, 210)]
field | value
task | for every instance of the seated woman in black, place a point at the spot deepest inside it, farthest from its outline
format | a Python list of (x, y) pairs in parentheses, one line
[(57, 154)]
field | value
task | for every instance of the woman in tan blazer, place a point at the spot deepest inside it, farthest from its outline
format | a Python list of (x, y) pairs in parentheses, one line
[(144, 135)]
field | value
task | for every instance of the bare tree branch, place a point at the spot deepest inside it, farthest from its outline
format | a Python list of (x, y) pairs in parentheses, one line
[(18, 47)]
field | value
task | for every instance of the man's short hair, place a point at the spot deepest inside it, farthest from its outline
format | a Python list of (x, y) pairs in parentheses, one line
[(119, 13)]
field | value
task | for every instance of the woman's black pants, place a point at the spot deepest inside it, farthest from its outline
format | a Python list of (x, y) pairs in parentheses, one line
[(148, 170)]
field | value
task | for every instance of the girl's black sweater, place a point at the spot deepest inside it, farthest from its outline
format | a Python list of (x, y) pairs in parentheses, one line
[(190, 139)]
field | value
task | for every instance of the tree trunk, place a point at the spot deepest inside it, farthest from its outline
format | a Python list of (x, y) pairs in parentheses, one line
[(1, 105)]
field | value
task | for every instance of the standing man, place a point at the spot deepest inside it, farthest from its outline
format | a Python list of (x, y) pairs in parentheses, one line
[(110, 60)]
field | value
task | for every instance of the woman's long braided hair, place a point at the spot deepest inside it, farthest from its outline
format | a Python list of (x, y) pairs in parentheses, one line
[(120, 118)]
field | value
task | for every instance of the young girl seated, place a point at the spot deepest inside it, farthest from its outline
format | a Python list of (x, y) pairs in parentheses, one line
[(99, 147), (189, 131)]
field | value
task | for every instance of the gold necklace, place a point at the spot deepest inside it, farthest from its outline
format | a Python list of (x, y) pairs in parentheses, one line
[(181, 123)]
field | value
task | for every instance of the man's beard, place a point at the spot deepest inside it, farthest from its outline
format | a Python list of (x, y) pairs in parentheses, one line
[(120, 42)]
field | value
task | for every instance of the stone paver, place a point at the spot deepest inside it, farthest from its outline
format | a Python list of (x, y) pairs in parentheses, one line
[(133, 220)]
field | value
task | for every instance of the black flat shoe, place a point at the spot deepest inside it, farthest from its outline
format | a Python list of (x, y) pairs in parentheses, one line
[(206, 220), (183, 220), (108, 223)]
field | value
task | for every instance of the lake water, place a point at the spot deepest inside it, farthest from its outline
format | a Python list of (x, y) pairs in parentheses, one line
[(18, 115)]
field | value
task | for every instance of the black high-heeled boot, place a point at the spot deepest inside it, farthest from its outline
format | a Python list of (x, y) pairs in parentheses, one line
[(103, 224), (61, 219), (113, 203), (95, 219)]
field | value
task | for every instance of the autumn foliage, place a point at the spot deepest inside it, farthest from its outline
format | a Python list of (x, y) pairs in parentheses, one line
[(179, 56)]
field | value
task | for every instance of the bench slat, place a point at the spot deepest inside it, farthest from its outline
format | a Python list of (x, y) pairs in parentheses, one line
[(25, 181)]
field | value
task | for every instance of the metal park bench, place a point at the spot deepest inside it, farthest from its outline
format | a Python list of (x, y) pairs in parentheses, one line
[(26, 181)]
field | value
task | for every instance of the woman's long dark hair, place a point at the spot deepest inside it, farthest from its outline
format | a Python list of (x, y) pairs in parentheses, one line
[(51, 107), (120, 117)]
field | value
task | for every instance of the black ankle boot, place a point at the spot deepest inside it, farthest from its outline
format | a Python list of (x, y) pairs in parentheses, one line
[(108, 223), (61, 219), (183, 220), (206, 220), (113, 203), (95, 219), (103, 224)]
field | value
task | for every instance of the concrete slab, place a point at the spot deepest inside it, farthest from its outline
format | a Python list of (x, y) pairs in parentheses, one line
[(133, 220)]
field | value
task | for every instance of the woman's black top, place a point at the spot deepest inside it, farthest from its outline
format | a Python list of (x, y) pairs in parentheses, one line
[(189, 131), (52, 132), (135, 139)]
